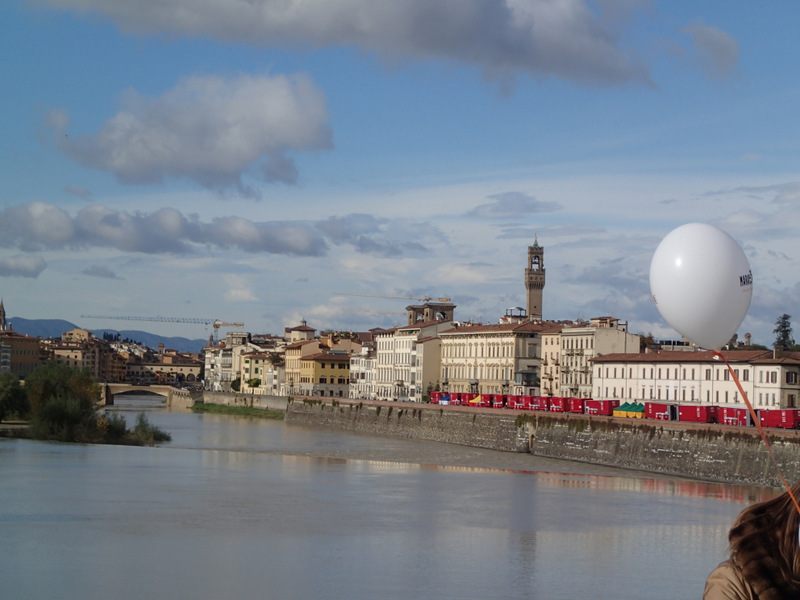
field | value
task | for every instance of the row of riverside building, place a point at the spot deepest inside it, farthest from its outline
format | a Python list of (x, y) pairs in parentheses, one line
[(521, 354), (108, 360)]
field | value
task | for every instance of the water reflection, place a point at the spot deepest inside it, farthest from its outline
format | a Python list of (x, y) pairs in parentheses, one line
[(242, 508)]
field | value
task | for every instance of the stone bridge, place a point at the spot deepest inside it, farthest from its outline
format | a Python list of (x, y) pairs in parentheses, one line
[(175, 396)]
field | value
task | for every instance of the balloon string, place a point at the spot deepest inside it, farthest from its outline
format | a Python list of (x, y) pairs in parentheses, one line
[(760, 429)]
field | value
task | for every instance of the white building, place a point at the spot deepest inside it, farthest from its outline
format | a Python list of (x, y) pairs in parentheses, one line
[(770, 380), (223, 360), (362, 368), (407, 361)]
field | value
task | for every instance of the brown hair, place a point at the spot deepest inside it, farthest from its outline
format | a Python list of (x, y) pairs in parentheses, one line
[(765, 546)]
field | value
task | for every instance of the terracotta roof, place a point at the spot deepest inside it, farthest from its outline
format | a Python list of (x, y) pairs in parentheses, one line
[(528, 326), (678, 356), (13, 334), (300, 343), (256, 354), (328, 356), (420, 324)]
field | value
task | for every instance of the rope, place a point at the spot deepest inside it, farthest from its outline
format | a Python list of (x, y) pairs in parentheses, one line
[(760, 429)]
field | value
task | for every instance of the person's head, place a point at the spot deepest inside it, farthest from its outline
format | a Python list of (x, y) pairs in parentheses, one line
[(769, 531)]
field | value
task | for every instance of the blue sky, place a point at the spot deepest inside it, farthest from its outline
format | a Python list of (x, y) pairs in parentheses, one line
[(250, 161)]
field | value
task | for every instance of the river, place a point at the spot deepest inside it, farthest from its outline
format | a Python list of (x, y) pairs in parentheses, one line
[(241, 508)]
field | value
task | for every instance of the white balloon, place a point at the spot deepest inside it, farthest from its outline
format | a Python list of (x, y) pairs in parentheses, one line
[(701, 283)]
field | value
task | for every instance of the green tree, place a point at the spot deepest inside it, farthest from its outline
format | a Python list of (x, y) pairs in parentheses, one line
[(783, 332), (55, 379), (62, 401), (13, 400)]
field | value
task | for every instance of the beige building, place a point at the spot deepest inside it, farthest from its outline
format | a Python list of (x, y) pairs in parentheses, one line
[(494, 359), (325, 374), (260, 373), (551, 363), (293, 356), (161, 373), (581, 343), (19, 354)]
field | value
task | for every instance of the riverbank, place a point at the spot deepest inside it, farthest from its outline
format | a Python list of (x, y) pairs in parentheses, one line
[(706, 452), (14, 429)]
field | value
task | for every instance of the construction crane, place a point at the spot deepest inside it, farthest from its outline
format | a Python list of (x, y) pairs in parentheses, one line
[(374, 312), (215, 323), (425, 299)]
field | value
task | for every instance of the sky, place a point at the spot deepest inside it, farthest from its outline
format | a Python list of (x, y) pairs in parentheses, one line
[(270, 161)]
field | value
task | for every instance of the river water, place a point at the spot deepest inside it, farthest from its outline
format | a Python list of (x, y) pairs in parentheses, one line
[(239, 508)]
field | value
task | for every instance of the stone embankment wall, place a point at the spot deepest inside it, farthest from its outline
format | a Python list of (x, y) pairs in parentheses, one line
[(417, 421), (182, 399), (277, 403), (708, 452)]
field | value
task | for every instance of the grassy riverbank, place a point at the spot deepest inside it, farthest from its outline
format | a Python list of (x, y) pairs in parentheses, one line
[(242, 411)]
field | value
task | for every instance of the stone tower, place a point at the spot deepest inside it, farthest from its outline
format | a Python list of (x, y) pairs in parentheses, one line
[(534, 280), (3, 325)]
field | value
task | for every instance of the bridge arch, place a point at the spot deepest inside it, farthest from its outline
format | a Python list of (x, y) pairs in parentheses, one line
[(109, 390)]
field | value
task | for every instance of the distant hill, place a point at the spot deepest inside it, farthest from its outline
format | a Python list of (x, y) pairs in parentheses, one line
[(51, 328)]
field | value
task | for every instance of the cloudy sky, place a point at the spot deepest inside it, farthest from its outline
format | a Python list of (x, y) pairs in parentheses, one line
[(258, 161)]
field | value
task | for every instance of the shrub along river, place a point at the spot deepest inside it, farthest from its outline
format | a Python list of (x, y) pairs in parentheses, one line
[(242, 508)]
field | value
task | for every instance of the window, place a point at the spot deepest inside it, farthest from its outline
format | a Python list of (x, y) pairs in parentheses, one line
[(746, 375), (791, 377)]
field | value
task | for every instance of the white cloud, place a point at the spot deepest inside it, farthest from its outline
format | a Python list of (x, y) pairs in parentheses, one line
[(209, 129), (716, 51), (571, 39), (238, 289), (22, 266), (42, 226), (512, 205)]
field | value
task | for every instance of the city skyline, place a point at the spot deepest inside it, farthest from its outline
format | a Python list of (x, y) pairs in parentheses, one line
[(251, 163)]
